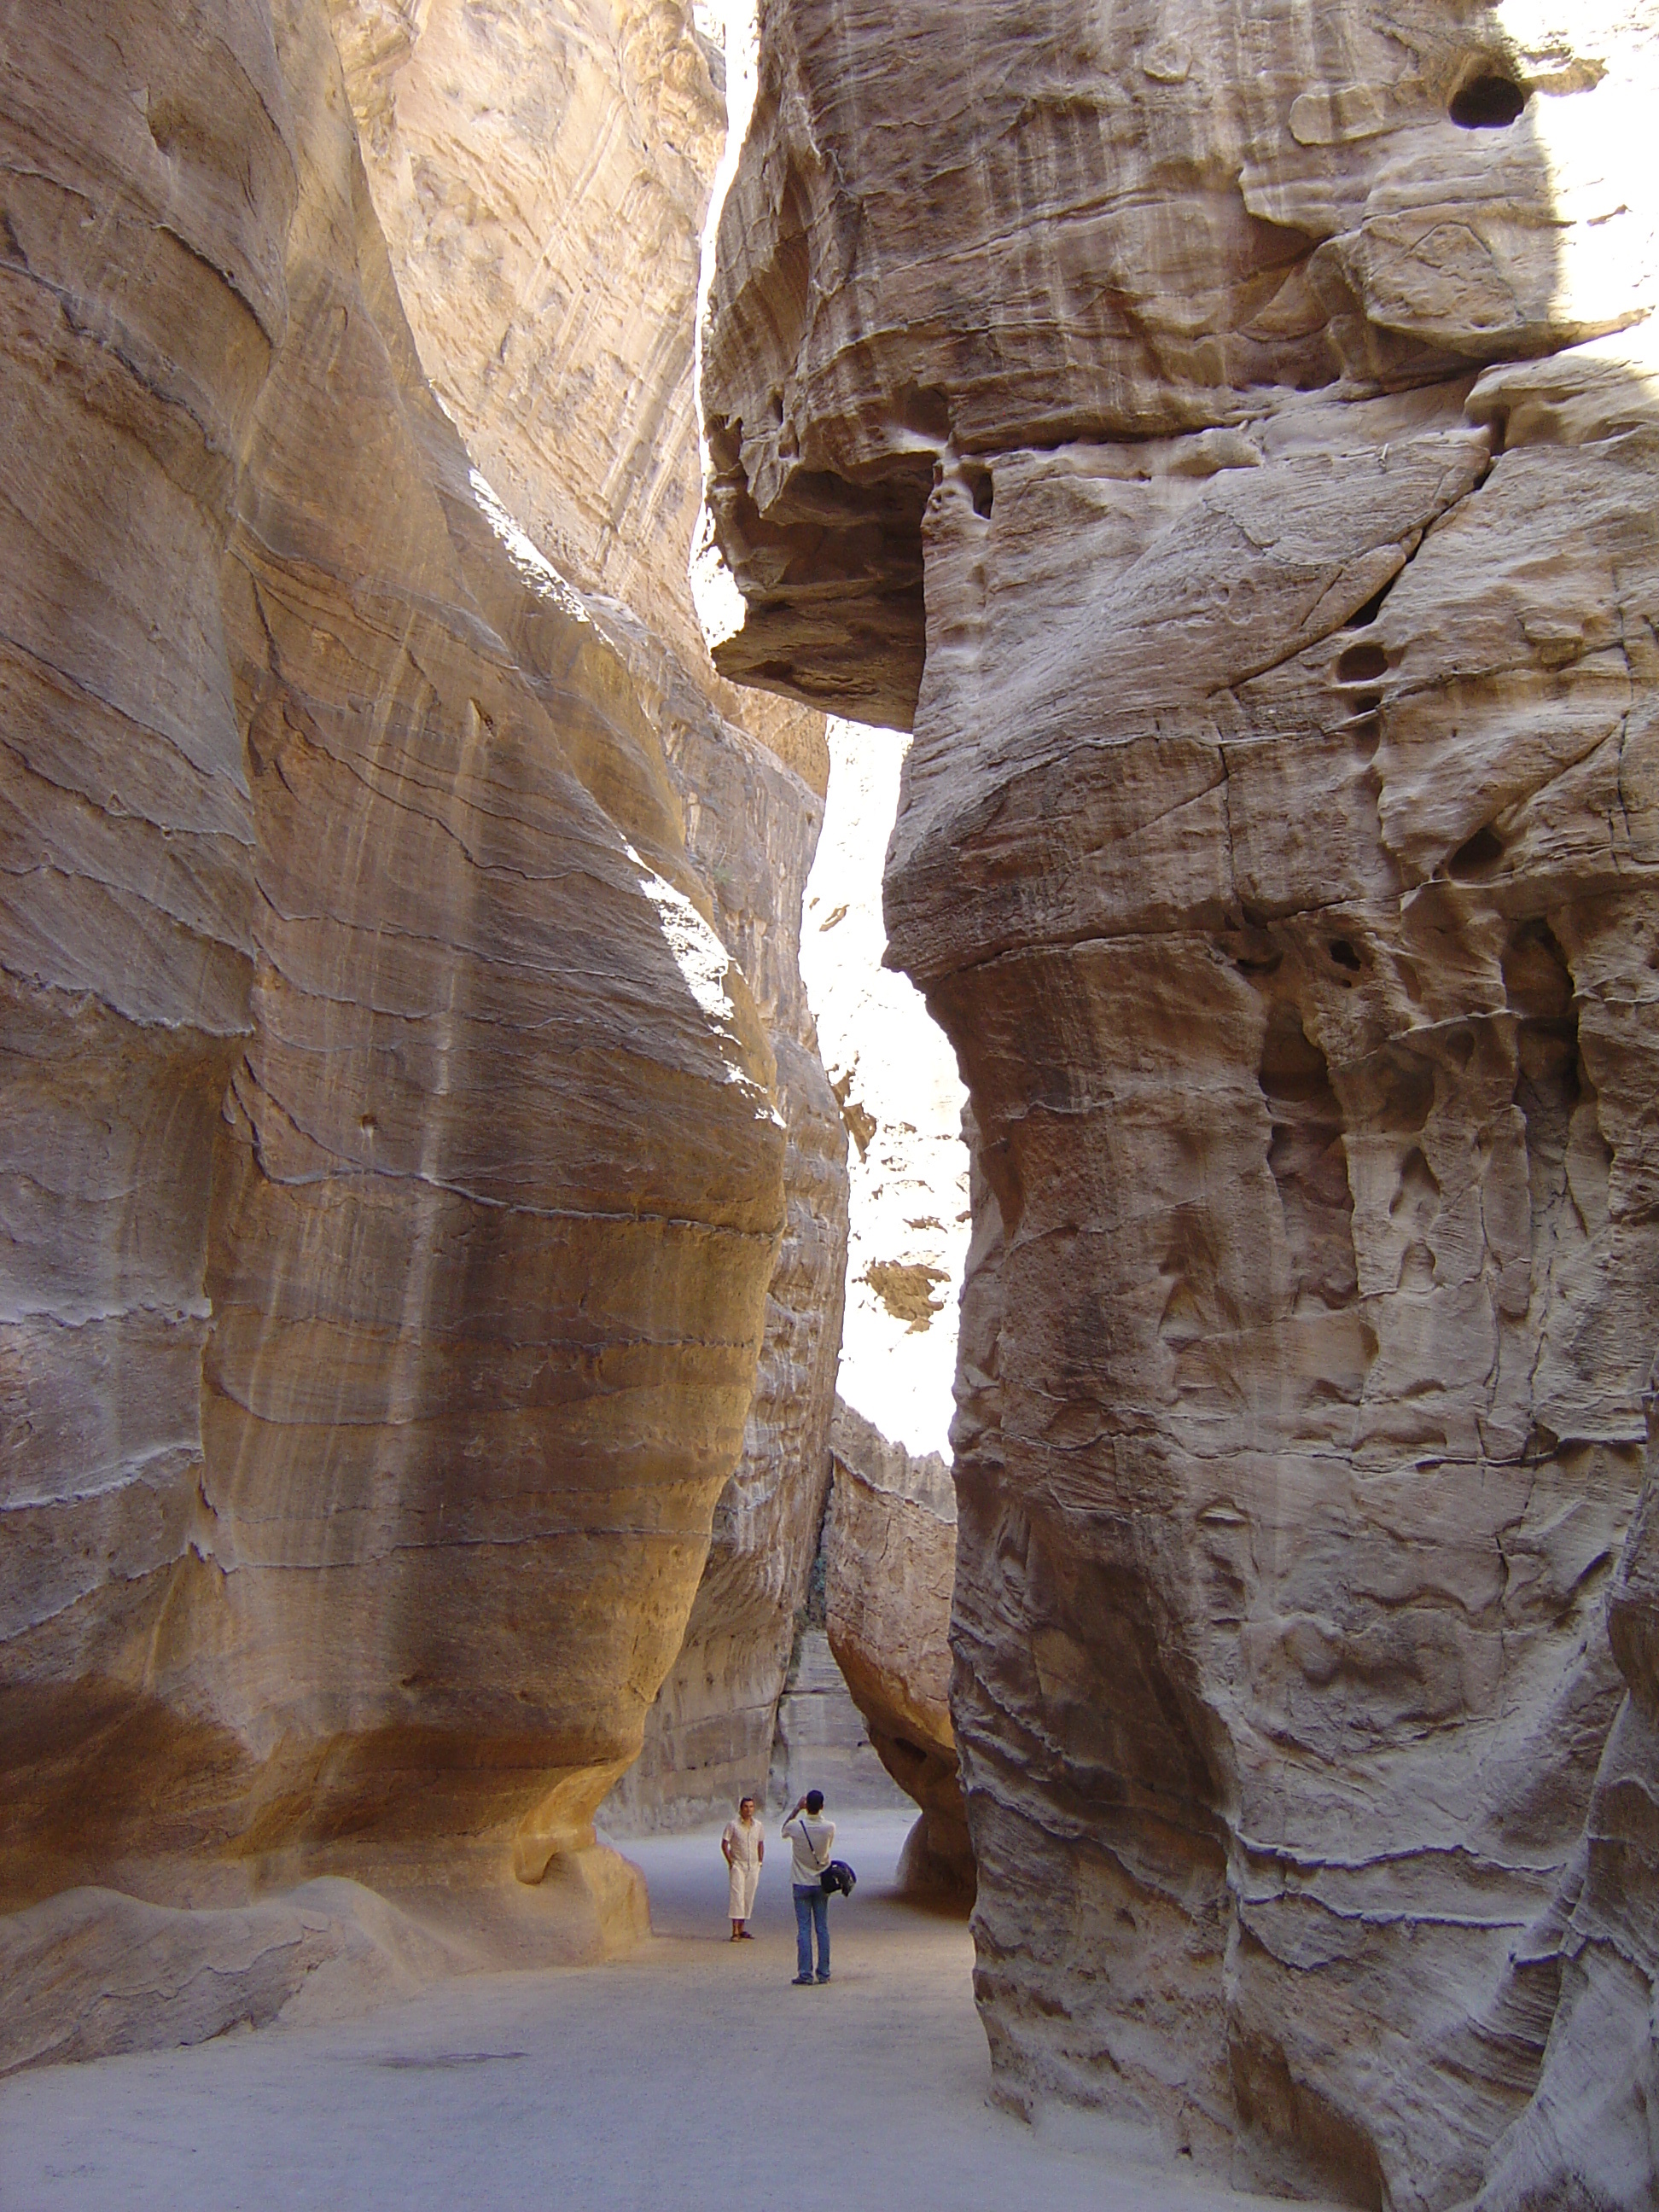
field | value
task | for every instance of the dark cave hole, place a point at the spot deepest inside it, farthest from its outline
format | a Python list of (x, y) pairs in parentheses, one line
[(1362, 664), (1368, 702), (1362, 618), (1487, 102), (1344, 955), (979, 482), (1476, 856)]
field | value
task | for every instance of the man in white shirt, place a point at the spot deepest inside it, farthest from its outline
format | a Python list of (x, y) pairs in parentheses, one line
[(744, 1846), (811, 1839)]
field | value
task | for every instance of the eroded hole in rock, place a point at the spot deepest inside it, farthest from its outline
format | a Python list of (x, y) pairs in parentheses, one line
[(1413, 1210), (1309, 1162), (1362, 618), (1404, 1091), (1476, 857), (978, 480), (1344, 955), (1362, 664), (926, 411), (1487, 102), (1196, 1305)]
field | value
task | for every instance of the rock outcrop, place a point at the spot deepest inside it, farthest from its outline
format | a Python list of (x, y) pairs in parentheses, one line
[(392, 1165), (823, 1739), (889, 1554), (1205, 421), (540, 173)]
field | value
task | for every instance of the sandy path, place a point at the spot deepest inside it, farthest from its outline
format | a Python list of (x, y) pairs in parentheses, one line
[(689, 2076)]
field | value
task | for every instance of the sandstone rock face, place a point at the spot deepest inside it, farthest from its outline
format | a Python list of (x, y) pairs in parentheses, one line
[(541, 174), (541, 169), (889, 1555), (752, 826), (392, 1174), (1276, 846), (823, 1739)]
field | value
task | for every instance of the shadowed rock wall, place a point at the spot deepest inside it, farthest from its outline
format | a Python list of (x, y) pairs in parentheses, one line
[(392, 1174), (889, 1556), (1207, 392)]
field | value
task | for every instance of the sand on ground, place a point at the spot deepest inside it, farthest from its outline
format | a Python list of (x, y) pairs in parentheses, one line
[(689, 2076)]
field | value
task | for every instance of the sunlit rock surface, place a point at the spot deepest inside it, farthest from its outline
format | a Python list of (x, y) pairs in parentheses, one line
[(890, 1553), (752, 825), (1220, 396), (392, 1165), (542, 174), (541, 170)]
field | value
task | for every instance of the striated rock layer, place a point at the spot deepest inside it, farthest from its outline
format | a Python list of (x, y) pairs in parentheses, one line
[(540, 173), (752, 827), (392, 1172), (541, 169), (889, 1554), (1276, 848)]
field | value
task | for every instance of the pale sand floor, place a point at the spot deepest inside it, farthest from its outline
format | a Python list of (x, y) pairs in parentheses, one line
[(688, 2077)]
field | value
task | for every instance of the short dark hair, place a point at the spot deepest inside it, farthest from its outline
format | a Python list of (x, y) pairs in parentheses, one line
[(815, 1800)]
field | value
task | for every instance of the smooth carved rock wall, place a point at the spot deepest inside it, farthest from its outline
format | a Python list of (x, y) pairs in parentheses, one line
[(890, 1557), (542, 174), (752, 827), (1276, 846), (393, 1179), (541, 170)]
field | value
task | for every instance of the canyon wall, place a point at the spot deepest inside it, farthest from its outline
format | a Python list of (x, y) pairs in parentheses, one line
[(541, 175), (395, 1151), (1229, 434), (890, 1557)]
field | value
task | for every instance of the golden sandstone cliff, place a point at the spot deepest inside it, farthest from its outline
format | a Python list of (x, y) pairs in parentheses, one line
[(1226, 434), (541, 175), (1229, 434), (413, 1137)]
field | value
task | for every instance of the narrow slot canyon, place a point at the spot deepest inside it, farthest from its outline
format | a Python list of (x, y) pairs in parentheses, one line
[(827, 966)]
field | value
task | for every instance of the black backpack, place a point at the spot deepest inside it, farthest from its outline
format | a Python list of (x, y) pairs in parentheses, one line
[(838, 1875)]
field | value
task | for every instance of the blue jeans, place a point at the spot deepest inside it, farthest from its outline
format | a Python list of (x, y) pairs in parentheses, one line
[(812, 1909)]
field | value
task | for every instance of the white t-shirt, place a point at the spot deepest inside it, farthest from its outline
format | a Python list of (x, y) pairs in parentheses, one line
[(811, 1839), (745, 1842)]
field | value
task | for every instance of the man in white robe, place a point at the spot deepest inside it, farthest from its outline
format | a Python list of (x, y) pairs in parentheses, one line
[(744, 1846)]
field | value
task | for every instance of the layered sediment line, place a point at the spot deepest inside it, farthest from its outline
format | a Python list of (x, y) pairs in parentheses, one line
[(394, 1166)]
